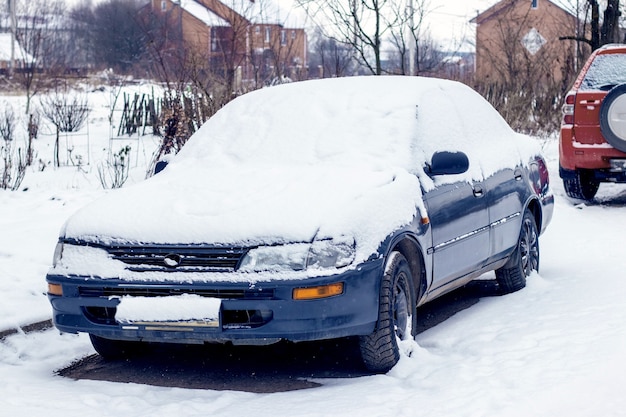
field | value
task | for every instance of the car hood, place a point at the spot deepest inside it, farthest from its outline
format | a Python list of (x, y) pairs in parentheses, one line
[(253, 206)]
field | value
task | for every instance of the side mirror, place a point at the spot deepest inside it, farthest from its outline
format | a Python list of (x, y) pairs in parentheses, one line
[(160, 166), (448, 163)]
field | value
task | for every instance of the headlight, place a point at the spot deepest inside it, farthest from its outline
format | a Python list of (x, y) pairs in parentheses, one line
[(331, 253), (276, 258), (58, 254), (321, 254), (85, 260)]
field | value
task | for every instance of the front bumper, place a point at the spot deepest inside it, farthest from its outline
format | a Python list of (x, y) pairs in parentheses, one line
[(258, 313)]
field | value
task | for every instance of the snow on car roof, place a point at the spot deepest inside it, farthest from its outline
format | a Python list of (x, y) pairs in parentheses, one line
[(375, 121), (308, 160)]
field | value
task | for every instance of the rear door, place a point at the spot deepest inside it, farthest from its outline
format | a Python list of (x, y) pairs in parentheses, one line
[(459, 220), (505, 198)]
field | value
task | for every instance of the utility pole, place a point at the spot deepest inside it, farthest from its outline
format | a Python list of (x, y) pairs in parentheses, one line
[(411, 39), (13, 34)]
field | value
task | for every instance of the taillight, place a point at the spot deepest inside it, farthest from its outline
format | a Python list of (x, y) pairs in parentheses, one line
[(568, 109), (544, 177), (539, 176)]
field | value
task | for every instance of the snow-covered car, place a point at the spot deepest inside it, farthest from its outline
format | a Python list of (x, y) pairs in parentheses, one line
[(307, 211), (592, 145)]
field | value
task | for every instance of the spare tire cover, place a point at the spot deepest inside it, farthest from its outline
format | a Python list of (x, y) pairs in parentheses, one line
[(613, 117)]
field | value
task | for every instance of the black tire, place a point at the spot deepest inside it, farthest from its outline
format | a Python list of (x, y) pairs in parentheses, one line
[(613, 128), (396, 317), (582, 185), (111, 349), (525, 259)]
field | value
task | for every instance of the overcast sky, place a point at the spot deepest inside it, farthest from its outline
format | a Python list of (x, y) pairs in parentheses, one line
[(448, 20)]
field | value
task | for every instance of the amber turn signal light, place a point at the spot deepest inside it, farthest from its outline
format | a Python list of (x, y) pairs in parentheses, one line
[(314, 293), (55, 289)]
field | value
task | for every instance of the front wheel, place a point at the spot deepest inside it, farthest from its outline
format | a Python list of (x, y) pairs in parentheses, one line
[(525, 259), (396, 315)]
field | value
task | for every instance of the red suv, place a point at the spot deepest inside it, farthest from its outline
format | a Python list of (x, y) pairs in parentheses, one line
[(592, 146)]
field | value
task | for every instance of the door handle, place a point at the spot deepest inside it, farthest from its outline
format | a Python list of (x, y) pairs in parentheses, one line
[(478, 191), (518, 174)]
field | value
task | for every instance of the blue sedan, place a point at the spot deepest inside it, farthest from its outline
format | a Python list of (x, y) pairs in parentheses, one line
[(307, 211)]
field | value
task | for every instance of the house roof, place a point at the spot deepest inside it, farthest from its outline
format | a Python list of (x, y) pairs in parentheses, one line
[(257, 12), (503, 6), (265, 12), (202, 13), (5, 49)]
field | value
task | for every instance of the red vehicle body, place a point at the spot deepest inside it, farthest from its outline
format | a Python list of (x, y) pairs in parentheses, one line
[(592, 146)]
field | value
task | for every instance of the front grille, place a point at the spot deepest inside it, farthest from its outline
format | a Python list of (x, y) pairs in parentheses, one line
[(178, 257), (148, 291)]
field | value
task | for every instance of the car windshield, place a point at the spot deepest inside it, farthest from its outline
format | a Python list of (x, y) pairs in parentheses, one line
[(605, 72)]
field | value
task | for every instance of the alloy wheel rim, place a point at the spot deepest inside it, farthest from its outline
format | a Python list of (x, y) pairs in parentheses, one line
[(400, 311), (529, 248)]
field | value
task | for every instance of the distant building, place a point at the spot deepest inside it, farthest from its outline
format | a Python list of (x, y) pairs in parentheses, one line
[(520, 38), (458, 66), (249, 39), (19, 55)]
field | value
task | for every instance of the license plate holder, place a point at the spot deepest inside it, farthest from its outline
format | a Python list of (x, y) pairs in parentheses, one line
[(174, 313)]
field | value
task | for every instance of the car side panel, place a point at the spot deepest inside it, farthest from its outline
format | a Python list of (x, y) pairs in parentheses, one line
[(459, 220), (507, 191)]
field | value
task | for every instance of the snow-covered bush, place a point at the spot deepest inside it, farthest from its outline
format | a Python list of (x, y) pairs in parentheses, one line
[(113, 172), (14, 160), (67, 112)]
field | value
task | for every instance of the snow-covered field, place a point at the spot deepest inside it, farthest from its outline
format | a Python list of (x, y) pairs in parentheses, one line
[(556, 348)]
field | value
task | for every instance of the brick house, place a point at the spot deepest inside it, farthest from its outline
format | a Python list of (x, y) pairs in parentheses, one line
[(519, 39), (252, 39)]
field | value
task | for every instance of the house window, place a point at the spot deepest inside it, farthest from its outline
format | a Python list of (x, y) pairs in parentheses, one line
[(283, 37), (214, 42), (293, 34), (534, 4), (163, 5), (268, 34)]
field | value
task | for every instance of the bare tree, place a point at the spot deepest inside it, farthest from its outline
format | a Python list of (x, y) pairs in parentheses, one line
[(603, 28), (329, 57), (12, 162), (410, 39), (37, 25), (111, 30), (362, 24), (67, 112)]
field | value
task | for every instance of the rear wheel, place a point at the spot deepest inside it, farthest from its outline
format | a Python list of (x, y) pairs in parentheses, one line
[(111, 349), (525, 259), (582, 185), (396, 315)]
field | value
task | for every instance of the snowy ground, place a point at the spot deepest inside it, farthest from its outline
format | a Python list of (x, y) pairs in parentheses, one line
[(552, 349)]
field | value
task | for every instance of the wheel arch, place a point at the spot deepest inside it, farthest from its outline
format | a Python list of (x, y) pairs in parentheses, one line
[(534, 206), (410, 248)]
